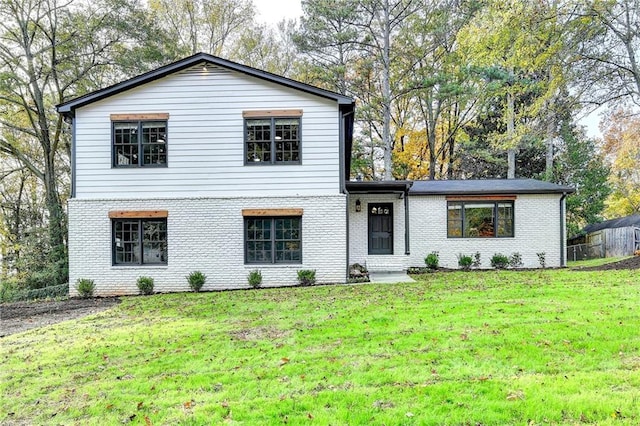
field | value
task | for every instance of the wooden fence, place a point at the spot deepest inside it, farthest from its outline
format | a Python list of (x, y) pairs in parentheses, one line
[(614, 242)]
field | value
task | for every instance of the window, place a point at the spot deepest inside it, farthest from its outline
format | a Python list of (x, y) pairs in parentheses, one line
[(273, 239), (272, 140), (479, 219), (139, 241), (139, 143)]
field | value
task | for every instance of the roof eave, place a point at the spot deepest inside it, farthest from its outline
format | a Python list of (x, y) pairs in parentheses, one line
[(490, 192), (68, 107)]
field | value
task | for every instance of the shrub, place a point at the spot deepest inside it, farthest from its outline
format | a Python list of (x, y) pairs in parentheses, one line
[(542, 258), (145, 285), (85, 287), (465, 262), (499, 261), (476, 260), (196, 280), (432, 260), (515, 260), (255, 278), (307, 277)]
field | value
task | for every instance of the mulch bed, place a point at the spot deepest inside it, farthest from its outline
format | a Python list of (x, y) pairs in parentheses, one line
[(23, 316), (631, 263)]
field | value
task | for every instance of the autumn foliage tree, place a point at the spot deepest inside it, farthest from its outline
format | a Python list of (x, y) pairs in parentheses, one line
[(622, 148)]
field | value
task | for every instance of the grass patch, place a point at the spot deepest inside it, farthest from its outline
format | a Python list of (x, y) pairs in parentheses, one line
[(595, 262), (491, 348)]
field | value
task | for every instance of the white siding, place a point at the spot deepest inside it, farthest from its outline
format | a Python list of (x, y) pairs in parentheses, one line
[(205, 234), (537, 229), (205, 140)]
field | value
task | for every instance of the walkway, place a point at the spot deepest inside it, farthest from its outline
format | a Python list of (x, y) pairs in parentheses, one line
[(390, 277)]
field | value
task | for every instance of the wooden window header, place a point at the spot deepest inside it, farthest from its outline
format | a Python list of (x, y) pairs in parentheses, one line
[(481, 197), (272, 113), (138, 214), (272, 212), (135, 117)]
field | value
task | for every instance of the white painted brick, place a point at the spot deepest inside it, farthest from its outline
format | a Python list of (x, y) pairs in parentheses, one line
[(537, 229), (205, 234)]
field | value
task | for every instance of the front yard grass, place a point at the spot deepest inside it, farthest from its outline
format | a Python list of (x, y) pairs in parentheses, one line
[(490, 348)]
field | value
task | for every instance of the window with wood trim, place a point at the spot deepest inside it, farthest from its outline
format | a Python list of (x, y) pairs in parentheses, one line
[(272, 140), (273, 239), (480, 219), (139, 143), (139, 241)]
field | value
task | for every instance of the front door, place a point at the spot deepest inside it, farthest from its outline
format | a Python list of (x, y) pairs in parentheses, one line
[(380, 228)]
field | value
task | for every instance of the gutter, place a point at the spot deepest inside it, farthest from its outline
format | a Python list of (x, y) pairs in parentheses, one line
[(563, 248)]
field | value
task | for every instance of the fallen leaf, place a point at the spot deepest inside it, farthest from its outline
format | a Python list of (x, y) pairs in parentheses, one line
[(147, 421), (284, 361), (309, 415), (187, 405), (140, 404)]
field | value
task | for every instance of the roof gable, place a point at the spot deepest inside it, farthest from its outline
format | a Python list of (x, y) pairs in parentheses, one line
[(68, 107)]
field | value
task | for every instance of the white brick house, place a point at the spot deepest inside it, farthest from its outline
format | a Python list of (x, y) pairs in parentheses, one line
[(209, 165)]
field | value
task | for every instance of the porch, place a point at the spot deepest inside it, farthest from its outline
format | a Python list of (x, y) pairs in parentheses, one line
[(378, 222)]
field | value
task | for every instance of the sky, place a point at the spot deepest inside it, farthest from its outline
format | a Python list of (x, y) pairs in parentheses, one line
[(273, 11)]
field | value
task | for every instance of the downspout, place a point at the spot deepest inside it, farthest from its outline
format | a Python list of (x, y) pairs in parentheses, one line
[(407, 245), (348, 231), (563, 249), (343, 185)]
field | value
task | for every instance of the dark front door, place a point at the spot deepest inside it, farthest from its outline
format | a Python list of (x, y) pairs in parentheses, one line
[(380, 228)]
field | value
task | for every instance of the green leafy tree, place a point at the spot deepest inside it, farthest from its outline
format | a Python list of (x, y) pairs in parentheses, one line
[(580, 165), (52, 51)]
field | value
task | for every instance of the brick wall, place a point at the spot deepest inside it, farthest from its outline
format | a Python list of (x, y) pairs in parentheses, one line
[(204, 234), (537, 229)]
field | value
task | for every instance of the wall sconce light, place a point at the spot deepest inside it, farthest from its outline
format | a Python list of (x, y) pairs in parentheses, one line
[(358, 206)]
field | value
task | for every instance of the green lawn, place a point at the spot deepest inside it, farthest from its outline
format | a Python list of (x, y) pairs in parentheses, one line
[(490, 348)]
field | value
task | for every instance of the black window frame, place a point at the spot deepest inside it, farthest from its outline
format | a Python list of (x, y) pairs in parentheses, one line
[(496, 225), (140, 144), (141, 243), (272, 240), (273, 142)]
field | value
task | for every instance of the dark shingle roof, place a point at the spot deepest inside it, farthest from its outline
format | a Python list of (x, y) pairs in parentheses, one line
[(486, 186), (622, 222), (381, 187)]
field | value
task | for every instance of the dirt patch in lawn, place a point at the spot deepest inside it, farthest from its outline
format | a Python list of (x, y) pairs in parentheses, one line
[(631, 263), (23, 316)]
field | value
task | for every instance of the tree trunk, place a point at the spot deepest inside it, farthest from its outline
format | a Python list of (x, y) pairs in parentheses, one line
[(511, 152), (386, 93), (548, 172)]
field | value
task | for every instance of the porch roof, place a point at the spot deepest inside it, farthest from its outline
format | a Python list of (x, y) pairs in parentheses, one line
[(378, 187)]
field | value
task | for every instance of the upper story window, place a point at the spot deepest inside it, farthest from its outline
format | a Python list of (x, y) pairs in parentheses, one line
[(139, 140), (272, 137), (480, 219)]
